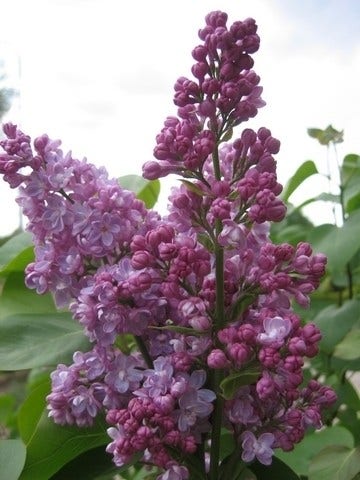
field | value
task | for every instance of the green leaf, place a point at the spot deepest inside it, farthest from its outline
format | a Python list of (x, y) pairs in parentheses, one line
[(7, 406), (16, 253), (89, 466), (247, 475), (234, 381), (348, 395), (332, 240), (145, 190), (305, 171), (32, 409), (53, 446), (277, 470), (350, 181), (227, 443), (335, 322), (350, 169), (299, 458), (180, 329), (192, 187), (329, 135), (241, 305), (335, 463), (205, 241), (348, 348), (12, 459), (322, 197), (34, 340), (16, 298)]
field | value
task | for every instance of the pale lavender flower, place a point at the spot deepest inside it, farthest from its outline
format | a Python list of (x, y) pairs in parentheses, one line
[(159, 379), (257, 447), (174, 472), (276, 329), (124, 374), (196, 402)]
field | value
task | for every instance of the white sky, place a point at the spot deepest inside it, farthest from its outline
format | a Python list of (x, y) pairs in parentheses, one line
[(99, 74)]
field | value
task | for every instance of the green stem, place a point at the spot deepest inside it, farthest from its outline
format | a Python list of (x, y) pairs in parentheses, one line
[(216, 163), (216, 421), (144, 351), (217, 375)]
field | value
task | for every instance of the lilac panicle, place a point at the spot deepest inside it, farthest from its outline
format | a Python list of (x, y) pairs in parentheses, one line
[(173, 304)]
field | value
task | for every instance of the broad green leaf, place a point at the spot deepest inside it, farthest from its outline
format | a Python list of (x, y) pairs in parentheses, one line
[(299, 458), (34, 340), (322, 197), (335, 463), (12, 249), (247, 475), (277, 470), (335, 322), (327, 136), (16, 298), (32, 409), (232, 467), (19, 263), (348, 348), (348, 395), (53, 446), (227, 443), (145, 190), (350, 169), (90, 465), (7, 406), (348, 418), (340, 244), (12, 459), (234, 381), (305, 171), (350, 180), (340, 365)]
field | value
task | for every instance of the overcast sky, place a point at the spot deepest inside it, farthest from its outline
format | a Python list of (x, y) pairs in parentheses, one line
[(99, 74)]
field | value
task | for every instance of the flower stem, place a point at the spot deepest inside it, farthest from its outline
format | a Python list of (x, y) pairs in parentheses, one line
[(217, 374), (144, 351)]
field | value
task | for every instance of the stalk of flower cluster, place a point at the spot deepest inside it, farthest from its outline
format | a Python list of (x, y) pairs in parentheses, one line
[(217, 375)]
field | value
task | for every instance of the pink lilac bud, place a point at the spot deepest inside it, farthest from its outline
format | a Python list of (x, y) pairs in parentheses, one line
[(312, 417), (217, 359), (142, 259), (247, 334), (269, 357), (267, 208), (265, 386), (228, 335), (200, 323), (240, 353)]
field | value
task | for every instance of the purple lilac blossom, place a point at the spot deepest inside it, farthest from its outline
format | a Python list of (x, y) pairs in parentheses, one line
[(150, 285), (257, 447)]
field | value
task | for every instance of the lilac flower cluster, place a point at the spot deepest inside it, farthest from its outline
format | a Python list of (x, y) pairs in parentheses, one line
[(201, 298)]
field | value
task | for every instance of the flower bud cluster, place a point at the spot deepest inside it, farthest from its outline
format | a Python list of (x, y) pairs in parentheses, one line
[(185, 309)]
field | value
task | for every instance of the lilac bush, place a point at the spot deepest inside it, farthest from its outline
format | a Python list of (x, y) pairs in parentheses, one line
[(201, 298)]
